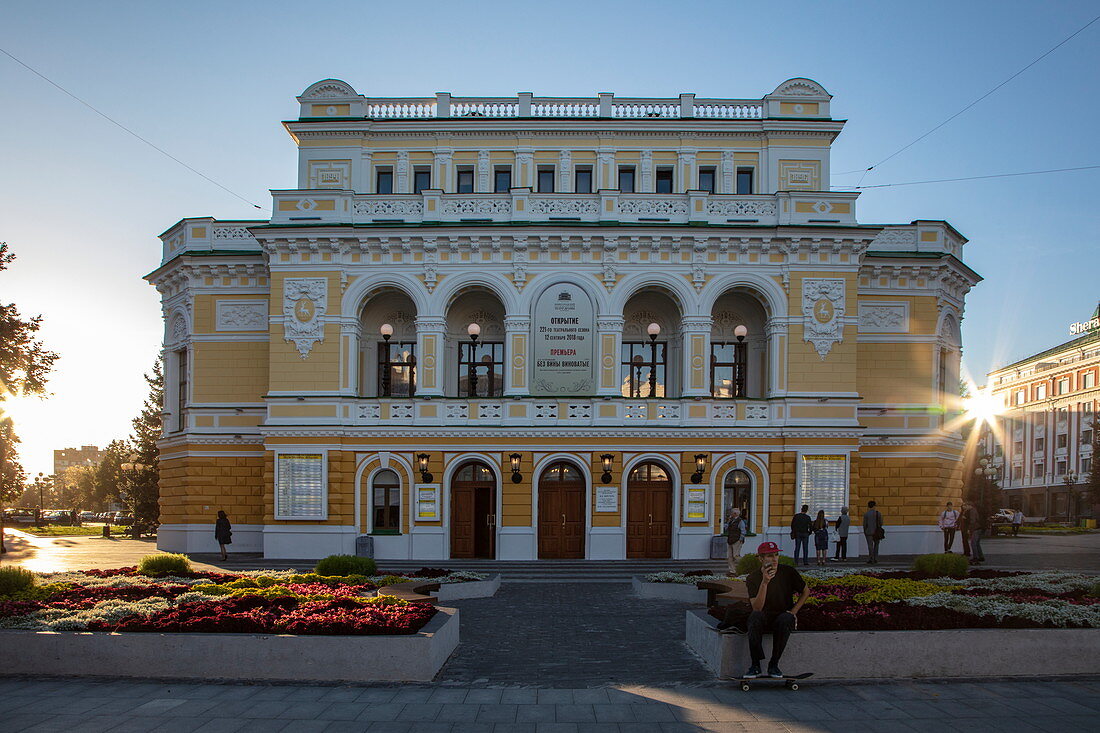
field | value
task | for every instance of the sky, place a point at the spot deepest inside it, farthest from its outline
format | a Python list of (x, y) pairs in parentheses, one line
[(82, 202)]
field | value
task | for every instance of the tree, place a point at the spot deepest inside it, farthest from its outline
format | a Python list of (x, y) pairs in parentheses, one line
[(143, 486), (108, 483), (1094, 470)]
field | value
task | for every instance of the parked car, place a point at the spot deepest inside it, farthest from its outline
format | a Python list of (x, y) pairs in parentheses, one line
[(123, 518), (88, 516), (1002, 516), (19, 516)]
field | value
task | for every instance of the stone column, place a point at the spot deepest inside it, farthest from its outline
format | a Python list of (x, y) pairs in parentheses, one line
[(646, 173), (363, 175), (517, 331), (775, 385), (441, 174), (431, 333), (565, 172), (695, 334), (525, 169), (401, 173), (725, 184), (606, 174), (484, 184), (609, 329), (351, 358), (686, 168)]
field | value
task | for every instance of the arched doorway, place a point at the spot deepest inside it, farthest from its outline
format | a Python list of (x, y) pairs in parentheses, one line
[(561, 512), (473, 512), (737, 494), (649, 512)]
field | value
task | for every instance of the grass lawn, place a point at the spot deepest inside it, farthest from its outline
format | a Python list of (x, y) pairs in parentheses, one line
[(94, 530)]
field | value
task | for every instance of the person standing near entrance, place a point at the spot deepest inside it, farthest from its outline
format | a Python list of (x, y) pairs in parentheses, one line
[(975, 526), (821, 537), (1017, 520), (843, 523), (949, 520), (873, 531), (800, 532), (735, 538), (223, 533)]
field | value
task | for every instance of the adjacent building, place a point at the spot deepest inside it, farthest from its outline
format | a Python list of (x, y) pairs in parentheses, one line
[(85, 455), (531, 327), (1043, 441)]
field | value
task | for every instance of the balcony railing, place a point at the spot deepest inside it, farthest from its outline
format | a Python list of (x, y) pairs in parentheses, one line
[(522, 205)]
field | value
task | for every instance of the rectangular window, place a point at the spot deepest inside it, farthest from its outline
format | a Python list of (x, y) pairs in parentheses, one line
[(582, 178), (546, 179), (1086, 465), (727, 369), (744, 181), (643, 369), (998, 451), (502, 180), (1040, 445), (1061, 440), (1038, 470), (1041, 392), (1086, 437), (1063, 385), (1088, 380), (300, 486), (181, 392), (1060, 468), (1018, 448), (1021, 396), (1017, 473), (387, 502), (626, 179), (465, 180), (422, 179), (707, 179), (482, 363), (396, 369), (664, 180), (824, 484), (383, 181)]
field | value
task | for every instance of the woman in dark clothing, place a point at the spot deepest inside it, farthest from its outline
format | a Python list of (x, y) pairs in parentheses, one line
[(821, 536), (964, 530), (223, 533)]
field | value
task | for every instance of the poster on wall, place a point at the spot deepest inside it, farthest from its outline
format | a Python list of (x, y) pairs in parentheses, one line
[(562, 352), (607, 499), (427, 503), (824, 483), (696, 509)]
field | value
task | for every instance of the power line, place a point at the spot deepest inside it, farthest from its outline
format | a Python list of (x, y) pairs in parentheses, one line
[(1049, 51), (975, 178), (126, 129)]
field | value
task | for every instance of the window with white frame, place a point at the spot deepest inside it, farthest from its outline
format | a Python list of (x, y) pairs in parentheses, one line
[(1063, 385), (300, 487), (1088, 380), (824, 483)]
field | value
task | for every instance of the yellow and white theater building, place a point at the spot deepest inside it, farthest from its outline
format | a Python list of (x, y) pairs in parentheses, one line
[(673, 316)]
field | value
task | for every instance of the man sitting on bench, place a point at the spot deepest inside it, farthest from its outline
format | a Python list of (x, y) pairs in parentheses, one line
[(771, 592)]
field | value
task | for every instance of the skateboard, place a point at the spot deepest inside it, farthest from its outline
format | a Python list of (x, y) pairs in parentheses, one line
[(790, 681)]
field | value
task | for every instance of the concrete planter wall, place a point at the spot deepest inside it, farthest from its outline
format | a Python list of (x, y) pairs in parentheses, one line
[(470, 589), (669, 591), (417, 657), (892, 654)]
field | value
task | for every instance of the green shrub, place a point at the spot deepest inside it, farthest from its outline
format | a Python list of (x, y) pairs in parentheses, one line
[(1095, 592), (164, 562), (15, 580), (751, 563), (346, 565), (950, 564)]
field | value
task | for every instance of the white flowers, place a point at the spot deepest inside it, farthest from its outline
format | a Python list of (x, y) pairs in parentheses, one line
[(64, 619), (1053, 611)]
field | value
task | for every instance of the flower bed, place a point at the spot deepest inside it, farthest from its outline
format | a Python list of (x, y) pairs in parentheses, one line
[(281, 602)]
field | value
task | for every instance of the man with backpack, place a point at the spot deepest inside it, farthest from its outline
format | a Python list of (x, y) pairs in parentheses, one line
[(800, 532), (735, 538), (949, 520), (873, 531)]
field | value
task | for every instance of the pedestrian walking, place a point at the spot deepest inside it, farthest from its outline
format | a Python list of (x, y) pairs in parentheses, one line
[(1017, 520), (821, 536), (800, 532), (735, 538), (949, 520), (873, 531), (843, 522), (976, 526), (963, 525), (223, 533)]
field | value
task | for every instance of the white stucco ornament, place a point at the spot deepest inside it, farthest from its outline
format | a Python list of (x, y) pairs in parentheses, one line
[(305, 300), (823, 309)]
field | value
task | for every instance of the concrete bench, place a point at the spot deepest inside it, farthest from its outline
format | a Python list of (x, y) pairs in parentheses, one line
[(724, 592)]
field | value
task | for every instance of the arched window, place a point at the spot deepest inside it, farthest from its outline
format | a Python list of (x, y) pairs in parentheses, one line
[(737, 494), (473, 472), (386, 501)]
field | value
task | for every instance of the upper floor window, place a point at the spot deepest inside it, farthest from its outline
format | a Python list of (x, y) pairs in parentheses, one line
[(181, 392), (664, 180), (1038, 470), (386, 501), (1088, 380), (1063, 385), (1086, 437), (626, 179), (1041, 392), (1020, 397), (727, 369), (644, 368), (396, 369), (582, 178), (1086, 465), (1061, 440), (706, 179), (1060, 468), (502, 180), (481, 369), (546, 179), (744, 180), (422, 179), (465, 180), (1040, 445), (383, 181)]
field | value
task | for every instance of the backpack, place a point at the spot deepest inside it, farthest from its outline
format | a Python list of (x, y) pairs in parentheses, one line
[(733, 531)]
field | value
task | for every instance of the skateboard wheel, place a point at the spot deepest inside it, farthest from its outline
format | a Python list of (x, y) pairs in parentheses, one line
[(745, 686), (794, 685)]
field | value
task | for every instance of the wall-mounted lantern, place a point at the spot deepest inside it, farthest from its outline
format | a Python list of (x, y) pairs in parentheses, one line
[(516, 475), (700, 468), (422, 462), (607, 458)]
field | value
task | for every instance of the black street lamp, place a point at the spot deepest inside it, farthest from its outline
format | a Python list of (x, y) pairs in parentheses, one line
[(387, 331), (1070, 479), (473, 330), (654, 330)]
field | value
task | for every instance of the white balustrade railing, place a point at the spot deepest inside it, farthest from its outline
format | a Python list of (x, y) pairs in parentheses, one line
[(563, 107), (635, 111)]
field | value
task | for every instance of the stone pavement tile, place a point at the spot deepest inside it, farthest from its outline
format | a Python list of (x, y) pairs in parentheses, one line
[(919, 708), (597, 728), (179, 725), (1024, 705), (308, 726), (573, 713), (483, 697), (303, 711), (498, 713), (220, 725), (519, 697), (233, 708), (237, 692), (448, 694), (844, 710), (265, 709), (613, 713), (726, 727), (1065, 706), (60, 723), (765, 728), (341, 694), (419, 711), (591, 697), (376, 694), (554, 728), (390, 726), (692, 714), (22, 721), (263, 726), (412, 694), (271, 692), (13, 703), (881, 710), (556, 697), (194, 708), (653, 713), (347, 726), (306, 693), (514, 728), (137, 725), (536, 714), (343, 711), (382, 712), (430, 727), (455, 712), (730, 713), (804, 711)]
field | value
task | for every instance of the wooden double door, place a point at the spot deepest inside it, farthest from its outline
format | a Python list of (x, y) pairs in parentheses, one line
[(648, 512), (473, 512), (561, 512)]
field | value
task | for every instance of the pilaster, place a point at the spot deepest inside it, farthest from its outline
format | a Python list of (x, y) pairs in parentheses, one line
[(430, 335), (695, 330), (609, 329), (517, 331)]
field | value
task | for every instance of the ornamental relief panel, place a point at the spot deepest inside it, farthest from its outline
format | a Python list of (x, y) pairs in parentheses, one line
[(823, 311), (240, 315), (884, 317), (305, 300)]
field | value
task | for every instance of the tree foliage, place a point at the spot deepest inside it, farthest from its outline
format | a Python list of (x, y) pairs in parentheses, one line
[(1094, 470), (143, 487)]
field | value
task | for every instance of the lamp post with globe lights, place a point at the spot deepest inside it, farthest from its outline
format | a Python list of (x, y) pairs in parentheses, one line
[(131, 469), (1070, 480), (654, 330), (986, 473), (473, 331)]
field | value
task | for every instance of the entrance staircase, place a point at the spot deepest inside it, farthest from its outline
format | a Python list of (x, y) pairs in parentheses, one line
[(565, 571)]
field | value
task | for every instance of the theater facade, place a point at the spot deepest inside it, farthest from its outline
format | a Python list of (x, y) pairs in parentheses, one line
[(528, 327)]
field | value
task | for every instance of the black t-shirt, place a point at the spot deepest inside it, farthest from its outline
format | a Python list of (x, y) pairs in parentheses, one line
[(781, 590)]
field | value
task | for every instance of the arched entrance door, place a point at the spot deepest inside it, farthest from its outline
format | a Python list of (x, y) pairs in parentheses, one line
[(648, 512), (737, 494), (473, 512), (561, 512)]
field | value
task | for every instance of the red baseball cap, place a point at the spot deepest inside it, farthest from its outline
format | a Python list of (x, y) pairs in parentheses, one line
[(767, 548)]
